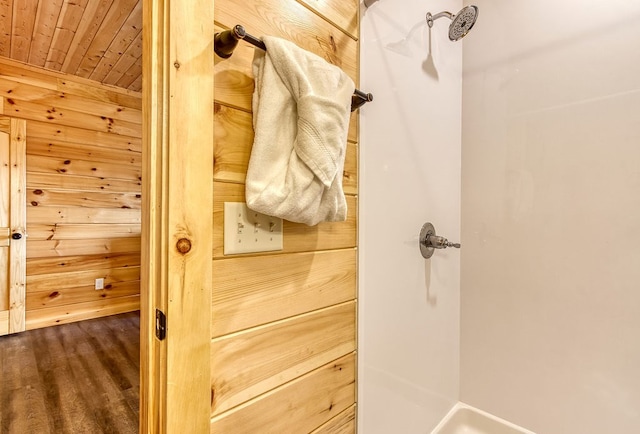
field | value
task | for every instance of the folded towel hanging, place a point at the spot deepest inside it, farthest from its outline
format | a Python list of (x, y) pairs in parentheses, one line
[(225, 42), (301, 121)]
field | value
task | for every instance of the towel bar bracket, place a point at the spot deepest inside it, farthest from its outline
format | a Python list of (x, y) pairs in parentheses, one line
[(224, 43)]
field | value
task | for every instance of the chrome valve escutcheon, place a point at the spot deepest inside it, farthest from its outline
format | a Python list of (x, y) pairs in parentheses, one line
[(429, 241)]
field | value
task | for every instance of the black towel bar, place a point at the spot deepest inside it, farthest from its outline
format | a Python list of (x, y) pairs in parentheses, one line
[(225, 42)]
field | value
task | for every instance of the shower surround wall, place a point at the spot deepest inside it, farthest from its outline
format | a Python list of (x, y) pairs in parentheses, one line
[(410, 170), (550, 331)]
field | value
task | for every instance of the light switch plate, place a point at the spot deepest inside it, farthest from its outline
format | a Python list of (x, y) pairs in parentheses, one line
[(247, 231), (99, 283)]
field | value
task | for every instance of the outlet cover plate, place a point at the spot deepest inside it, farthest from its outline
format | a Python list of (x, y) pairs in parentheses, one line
[(247, 231)]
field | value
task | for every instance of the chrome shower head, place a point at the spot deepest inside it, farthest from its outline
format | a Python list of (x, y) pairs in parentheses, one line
[(461, 23)]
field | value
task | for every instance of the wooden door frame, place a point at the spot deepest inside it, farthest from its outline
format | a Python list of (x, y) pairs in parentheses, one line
[(16, 321), (177, 216)]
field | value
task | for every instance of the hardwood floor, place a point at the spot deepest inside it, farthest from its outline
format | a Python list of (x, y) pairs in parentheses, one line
[(74, 378)]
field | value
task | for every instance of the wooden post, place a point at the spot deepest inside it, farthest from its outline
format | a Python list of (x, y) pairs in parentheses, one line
[(177, 214)]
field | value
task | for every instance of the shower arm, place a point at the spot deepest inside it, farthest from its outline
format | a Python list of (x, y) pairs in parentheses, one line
[(432, 18)]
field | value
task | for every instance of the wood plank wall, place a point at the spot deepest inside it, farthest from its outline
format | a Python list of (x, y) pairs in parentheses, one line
[(283, 323), (83, 193)]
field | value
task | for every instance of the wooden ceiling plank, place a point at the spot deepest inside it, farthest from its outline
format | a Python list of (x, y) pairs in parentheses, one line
[(91, 21), (22, 24), (98, 40), (137, 84), (128, 33), (112, 23), (6, 14), (45, 25), (131, 75), (128, 58), (66, 28)]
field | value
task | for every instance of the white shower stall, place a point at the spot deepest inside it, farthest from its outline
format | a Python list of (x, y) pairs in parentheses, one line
[(521, 141)]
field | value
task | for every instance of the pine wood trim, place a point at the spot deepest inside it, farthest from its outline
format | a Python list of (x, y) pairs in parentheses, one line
[(177, 243)]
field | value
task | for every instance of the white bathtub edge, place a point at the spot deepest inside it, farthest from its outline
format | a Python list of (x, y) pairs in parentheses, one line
[(462, 405)]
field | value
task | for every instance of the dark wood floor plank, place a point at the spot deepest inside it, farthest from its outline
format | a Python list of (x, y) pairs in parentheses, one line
[(74, 378), (22, 403)]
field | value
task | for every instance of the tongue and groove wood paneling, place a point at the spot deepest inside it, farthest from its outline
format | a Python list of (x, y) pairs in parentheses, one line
[(95, 39), (283, 323), (83, 193)]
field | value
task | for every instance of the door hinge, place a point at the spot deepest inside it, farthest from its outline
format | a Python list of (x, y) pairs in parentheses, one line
[(161, 325)]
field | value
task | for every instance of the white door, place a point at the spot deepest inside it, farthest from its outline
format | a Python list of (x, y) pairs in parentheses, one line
[(12, 225)]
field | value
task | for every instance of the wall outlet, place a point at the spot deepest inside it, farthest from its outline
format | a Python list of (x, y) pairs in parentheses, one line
[(99, 283), (247, 231)]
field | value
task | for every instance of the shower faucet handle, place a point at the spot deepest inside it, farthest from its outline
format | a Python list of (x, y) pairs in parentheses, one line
[(430, 241), (438, 242)]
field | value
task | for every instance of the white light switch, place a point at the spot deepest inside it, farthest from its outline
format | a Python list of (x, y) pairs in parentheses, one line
[(247, 231), (99, 283)]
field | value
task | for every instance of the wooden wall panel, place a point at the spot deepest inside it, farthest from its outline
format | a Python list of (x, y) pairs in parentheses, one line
[(277, 353), (279, 318), (81, 183), (62, 116), (81, 294), (83, 191), (343, 13), (344, 423), (83, 231), (52, 265), (297, 237), (48, 248), (48, 282), (42, 215), (293, 21), (52, 148), (299, 406), (38, 197), (51, 316), (98, 169), (58, 133), (49, 97), (248, 291)]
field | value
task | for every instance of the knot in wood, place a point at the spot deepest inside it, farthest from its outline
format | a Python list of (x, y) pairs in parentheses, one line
[(183, 245), (176, 64)]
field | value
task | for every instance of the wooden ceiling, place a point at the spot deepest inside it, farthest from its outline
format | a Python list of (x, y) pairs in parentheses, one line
[(96, 39)]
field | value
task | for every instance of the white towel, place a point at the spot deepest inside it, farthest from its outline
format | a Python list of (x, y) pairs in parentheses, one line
[(301, 107)]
